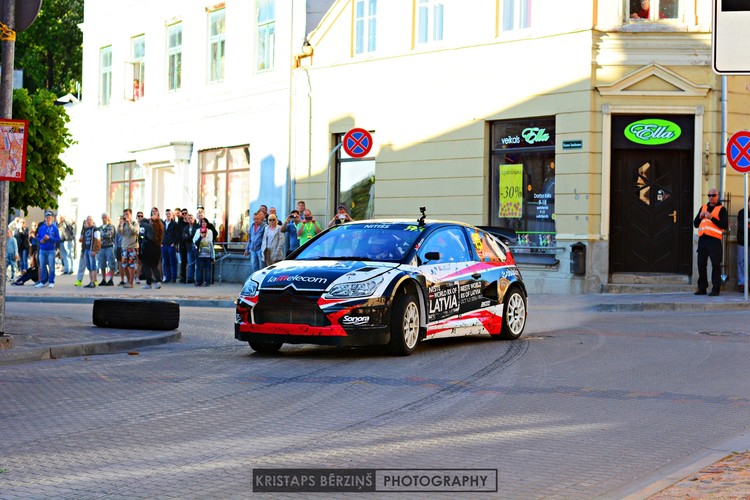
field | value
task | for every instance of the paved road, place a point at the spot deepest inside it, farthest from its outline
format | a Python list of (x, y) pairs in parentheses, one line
[(585, 405)]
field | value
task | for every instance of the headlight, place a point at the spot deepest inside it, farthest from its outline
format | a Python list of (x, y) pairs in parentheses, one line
[(250, 288), (358, 289)]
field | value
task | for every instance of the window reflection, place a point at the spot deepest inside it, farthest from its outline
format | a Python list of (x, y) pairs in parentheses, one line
[(225, 191)]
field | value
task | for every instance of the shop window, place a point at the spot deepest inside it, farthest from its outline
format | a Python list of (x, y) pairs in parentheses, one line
[(135, 69), (266, 34), (216, 45), (355, 183), (653, 10), (105, 75), (365, 22), (174, 56), (522, 177), (429, 21), (127, 186), (225, 191)]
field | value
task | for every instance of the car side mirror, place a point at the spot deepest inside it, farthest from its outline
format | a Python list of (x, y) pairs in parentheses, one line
[(432, 256)]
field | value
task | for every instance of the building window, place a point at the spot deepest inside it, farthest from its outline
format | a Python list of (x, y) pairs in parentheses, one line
[(216, 42), (127, 185), (266, 34), (135, 69), (105, 75), (355, 183), (225, 191), (365, 22), (174, 56), (429, 21), (515, 14), (522, 181), (653, 10)]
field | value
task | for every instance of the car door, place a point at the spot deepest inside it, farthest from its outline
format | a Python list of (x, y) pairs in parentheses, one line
[(449, 280)]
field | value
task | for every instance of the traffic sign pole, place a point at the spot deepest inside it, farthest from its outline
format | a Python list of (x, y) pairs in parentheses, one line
[(744, 229)]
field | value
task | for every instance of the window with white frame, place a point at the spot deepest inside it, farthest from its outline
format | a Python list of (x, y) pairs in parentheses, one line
[(365, 22), (127, 187), (174, 56), (429, 21), (105, 75), (216, 42), (135, 69), (266, 34), (225, 190), (653, 10), (515, 14)]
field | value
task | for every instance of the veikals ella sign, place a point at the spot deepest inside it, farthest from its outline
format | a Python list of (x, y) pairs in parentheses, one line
[(652, 131)]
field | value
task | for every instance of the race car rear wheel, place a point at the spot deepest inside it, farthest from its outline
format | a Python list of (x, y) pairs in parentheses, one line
[(265, 347), (404, 326), (514, 315)]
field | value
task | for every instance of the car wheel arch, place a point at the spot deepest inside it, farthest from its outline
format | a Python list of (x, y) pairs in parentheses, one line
[(409, 285)]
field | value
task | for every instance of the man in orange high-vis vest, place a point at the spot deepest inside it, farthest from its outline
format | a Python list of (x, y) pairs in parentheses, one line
[(712, 220)]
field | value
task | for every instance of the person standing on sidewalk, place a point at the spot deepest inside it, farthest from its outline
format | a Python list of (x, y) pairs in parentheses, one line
[(11, 254), (741, 247), (188, 234), (22, 239), (204, 245), (67, 241), (169, 248), (48, 236), (289, 227), (153, 236), (107, 253), (255, 242), (182, 247), (129, 230), (712, 220)]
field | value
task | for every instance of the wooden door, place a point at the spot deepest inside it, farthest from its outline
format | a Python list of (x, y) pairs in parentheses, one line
[(651, 211)]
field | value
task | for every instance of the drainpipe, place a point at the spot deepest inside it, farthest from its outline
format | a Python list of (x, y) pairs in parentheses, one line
[(723, 149)]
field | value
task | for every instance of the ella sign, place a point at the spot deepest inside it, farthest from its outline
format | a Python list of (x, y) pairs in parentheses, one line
[(652, 131)]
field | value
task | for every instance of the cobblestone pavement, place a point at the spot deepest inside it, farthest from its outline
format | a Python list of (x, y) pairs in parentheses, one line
[(226, 434)]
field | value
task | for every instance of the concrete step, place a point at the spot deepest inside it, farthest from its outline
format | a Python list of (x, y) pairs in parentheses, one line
[(649, 279), (646, 288)]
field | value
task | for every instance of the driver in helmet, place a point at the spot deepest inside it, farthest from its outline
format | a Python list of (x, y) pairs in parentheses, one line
[(377, 248)]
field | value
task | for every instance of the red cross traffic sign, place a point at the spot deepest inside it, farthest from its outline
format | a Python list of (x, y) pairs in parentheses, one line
[(738, 151), (357, 142)]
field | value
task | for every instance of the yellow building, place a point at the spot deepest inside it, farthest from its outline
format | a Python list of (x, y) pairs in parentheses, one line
[(588, 121)]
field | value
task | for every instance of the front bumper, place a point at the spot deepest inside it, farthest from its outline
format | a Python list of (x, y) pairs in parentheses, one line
[(310, 335)]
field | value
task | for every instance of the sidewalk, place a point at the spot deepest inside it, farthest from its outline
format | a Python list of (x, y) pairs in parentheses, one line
[(720, 473)]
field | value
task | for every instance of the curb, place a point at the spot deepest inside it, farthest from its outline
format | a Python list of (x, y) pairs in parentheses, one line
[(86, 348), (90, 300), (671, 306)]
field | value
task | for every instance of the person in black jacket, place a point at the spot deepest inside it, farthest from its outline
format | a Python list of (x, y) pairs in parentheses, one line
[(712, 220), (182, 247), (188, 233), (169, 248), (22, 239), (741, 248)]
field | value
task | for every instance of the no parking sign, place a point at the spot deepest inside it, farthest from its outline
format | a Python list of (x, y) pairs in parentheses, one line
[(357, 142), (738, 151)]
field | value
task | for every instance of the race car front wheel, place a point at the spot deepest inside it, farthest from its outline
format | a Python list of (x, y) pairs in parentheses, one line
[(514, 315), (404, 326)]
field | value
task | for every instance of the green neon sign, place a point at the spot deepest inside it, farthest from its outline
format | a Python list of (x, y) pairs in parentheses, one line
[(652, 131)]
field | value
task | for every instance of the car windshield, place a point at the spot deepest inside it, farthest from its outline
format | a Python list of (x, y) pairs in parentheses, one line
[(377, 241)]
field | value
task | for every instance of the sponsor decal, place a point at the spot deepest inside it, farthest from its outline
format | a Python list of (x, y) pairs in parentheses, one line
[(355, 320), (290, 278), (652, 131)]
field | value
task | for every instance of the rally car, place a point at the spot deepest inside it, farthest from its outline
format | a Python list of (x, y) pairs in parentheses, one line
[(385, 282)]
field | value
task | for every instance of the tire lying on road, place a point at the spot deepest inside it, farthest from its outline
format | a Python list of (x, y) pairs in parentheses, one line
[(136, 314)]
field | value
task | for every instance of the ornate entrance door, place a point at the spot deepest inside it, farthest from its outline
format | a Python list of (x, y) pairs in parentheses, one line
[(651, 212)]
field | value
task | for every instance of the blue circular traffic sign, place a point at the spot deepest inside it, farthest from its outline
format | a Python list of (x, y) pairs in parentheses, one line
[(738, 151), (357, 142)]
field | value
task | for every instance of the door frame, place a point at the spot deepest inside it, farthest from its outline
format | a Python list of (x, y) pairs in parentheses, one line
[(607, 112)]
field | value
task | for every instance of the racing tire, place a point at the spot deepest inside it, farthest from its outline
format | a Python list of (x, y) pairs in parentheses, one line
[(404, 326), (514, 315), (265, 347), (136, 314)]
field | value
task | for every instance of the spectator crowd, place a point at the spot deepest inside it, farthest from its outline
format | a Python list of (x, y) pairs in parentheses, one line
[(178, 248)]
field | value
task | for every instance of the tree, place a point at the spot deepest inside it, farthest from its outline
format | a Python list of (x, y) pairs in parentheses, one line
[(50, 51), (48, 137)]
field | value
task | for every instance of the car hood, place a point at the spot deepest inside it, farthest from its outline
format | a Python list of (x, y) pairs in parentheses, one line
[(317, 275)]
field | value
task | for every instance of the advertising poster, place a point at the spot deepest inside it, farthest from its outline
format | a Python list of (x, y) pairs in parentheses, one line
[(511, 191), (13, 150)]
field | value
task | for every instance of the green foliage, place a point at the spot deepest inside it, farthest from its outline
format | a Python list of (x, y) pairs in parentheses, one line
[(48, 138), (50, 51)]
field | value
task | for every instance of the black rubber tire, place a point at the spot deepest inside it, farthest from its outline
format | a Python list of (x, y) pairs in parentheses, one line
[(514, 315), (136, 314), (404, 326), (266, 347)]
